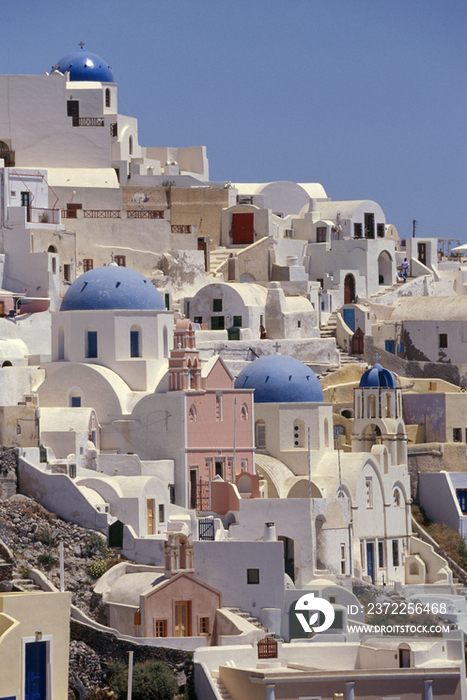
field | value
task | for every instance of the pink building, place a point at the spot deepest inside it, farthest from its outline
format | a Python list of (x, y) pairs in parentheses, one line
[(219, 418)]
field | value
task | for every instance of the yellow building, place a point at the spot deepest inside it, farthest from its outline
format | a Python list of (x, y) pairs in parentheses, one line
[(34, 643)]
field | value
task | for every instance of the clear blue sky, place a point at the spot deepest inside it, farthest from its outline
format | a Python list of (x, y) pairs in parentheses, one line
[(367, 97)]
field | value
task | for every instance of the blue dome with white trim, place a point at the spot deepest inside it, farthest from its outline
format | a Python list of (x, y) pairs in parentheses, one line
[(377, 377), (84, 65), (112, 287), (280, 379)]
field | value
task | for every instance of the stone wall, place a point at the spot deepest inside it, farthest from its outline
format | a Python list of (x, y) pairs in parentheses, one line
[(8, 471), (108, 648)]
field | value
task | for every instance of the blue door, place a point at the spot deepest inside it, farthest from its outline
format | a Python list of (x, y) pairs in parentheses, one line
[(370, 560), (390, 346), (36, 671), (349, 318)]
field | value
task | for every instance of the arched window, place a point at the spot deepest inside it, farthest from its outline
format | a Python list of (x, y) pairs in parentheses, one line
[(244, 412), (298, 433), (74, 398), (388, 405), (130, 145), (107, 97), (372, 406), (135, 341), (192, 417), (51, 249), (260, 434), (397, 497), (7, 363), (61, 344)]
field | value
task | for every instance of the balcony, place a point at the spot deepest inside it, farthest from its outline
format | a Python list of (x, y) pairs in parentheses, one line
[(102, 213), (178, 228), (44, 216), (144, 214), (88, 121)]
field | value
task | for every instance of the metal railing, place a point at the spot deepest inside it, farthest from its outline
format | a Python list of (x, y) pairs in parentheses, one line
[(102, 213), (178, 228), (144, 214), (267, 648), (88, 121)]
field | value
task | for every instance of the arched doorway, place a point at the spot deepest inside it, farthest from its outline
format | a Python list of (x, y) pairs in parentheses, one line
[(385, 268), (349, 289)]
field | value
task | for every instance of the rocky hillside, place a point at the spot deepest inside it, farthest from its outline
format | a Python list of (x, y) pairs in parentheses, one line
[(29, 538)]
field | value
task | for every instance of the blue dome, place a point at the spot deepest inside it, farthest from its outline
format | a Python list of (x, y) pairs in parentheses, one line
[(84, 65), (112, 287), (376, 377), (280, 379)]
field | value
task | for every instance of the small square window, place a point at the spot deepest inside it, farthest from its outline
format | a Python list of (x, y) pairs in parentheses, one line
[(198, 319), (443, 340), (120, 260), (252, 575), (88, 264), (204, 625), (457, 434), (380, 232), (237, 321), (217, 304), (321, 234), (76, 401), (161, 513), (160, 628)]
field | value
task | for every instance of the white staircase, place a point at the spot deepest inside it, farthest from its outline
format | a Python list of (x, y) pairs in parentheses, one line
[(220, 687), (217, 258)]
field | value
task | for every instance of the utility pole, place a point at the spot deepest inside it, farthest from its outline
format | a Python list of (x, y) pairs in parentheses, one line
[(414, 224)]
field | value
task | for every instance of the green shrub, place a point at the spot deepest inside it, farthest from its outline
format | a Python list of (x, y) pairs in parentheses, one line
[(152, 680), (450, 542), (97, 567), (44, 535), (47, 559), (96, 545)]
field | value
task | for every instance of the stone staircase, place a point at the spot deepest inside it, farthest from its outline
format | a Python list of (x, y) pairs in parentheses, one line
[(217, 258), (328, 330), (249, 618), (21, 583), (219, 686)]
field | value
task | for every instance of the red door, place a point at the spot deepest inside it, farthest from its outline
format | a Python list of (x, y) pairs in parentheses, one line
[(202, 246), (358, 342), (242, 228)]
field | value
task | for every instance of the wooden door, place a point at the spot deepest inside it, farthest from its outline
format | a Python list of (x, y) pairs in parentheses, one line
[(203, 246), (349, 289), (151, 516), (182, 618), (243, 228), (358, 342)]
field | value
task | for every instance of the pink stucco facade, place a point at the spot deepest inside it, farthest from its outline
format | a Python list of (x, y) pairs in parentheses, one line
[(219, 418)]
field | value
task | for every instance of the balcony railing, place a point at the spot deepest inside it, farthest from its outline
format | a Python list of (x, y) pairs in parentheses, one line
[(69, 214), (88, 121), (144, 214), (178, 228), (102, 213), (43, 216)]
